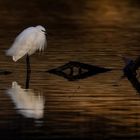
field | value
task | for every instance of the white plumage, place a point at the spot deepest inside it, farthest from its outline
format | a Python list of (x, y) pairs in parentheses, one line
[(26, 101), (27, 42)]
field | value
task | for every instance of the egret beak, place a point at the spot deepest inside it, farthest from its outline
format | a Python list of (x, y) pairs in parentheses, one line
[(44, 32)]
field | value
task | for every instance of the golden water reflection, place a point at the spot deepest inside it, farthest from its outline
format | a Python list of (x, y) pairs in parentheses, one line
[(95, 32)]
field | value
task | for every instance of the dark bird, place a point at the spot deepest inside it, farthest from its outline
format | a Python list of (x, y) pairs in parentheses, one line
[(130, 71)]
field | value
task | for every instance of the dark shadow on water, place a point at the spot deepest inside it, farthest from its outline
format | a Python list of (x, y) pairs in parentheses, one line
[(73, 70), (93, 127), (134, 3), (5, 72)]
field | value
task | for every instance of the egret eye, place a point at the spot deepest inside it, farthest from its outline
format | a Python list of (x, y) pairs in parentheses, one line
[(43, 31), (26, 43)]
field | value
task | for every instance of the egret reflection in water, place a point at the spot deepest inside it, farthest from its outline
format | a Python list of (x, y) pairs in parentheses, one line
[(27, 102)]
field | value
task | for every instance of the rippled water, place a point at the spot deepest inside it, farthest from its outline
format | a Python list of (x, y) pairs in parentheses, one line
[(95, 32)]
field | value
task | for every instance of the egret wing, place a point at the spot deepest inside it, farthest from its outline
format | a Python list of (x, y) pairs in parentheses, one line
[(22, 44)]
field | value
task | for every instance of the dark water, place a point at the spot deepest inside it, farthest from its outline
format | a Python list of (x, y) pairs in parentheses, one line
[(95, 32)]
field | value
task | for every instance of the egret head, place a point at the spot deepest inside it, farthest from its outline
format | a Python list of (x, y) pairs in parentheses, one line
[(41, 28)]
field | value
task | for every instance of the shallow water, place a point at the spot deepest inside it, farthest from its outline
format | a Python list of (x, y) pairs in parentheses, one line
[(95, 32)]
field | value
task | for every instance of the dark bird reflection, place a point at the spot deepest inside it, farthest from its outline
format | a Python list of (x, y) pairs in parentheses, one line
[(130, 71), (74, 70)]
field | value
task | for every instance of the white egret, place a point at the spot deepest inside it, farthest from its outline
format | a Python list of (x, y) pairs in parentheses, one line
[(27, 42), (27, 102)]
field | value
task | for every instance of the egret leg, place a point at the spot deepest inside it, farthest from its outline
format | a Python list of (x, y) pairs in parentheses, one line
[(28, 71)]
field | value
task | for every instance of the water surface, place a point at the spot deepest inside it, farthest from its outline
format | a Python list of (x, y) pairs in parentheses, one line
[(95, 32)]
